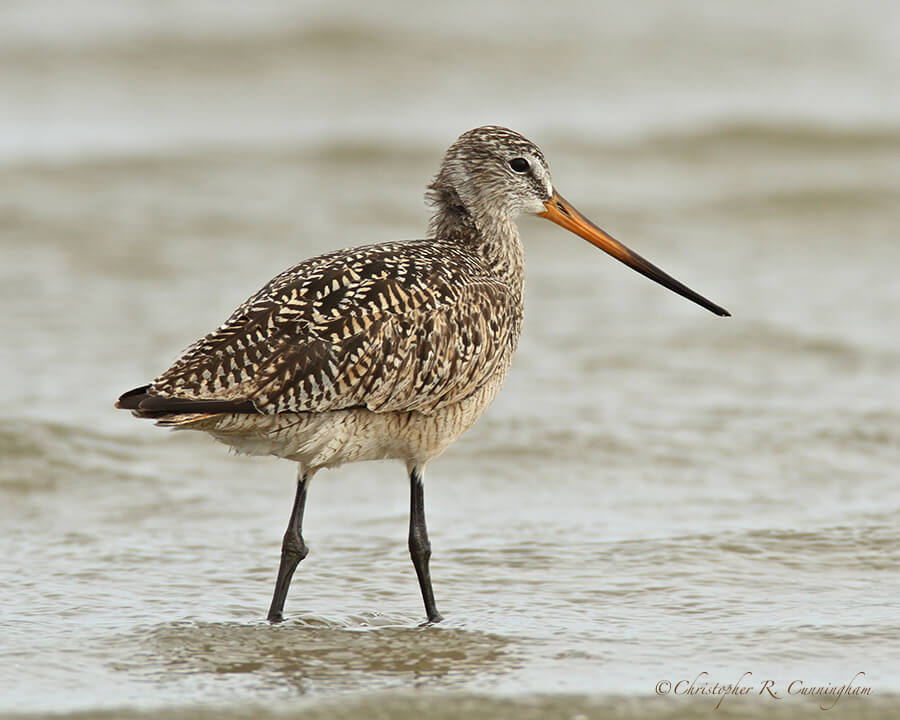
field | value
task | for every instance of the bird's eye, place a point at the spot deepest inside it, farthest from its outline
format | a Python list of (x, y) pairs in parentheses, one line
[(520, 165)]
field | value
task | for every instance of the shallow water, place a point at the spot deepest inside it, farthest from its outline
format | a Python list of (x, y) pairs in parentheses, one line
[(656, 493)]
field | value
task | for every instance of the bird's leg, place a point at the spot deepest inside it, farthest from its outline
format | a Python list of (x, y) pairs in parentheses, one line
[(293, 549), (419, 546)]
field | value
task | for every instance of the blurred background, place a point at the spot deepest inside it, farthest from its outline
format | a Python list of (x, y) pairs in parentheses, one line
[(656, 493)]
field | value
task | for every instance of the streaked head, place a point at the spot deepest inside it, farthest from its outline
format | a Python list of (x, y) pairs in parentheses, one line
[(494, 171)]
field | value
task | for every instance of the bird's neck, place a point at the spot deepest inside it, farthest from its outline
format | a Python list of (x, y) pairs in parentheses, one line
[(499, 247), (492, 238)]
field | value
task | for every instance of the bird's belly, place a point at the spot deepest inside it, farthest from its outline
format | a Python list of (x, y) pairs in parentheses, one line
[(332, 438)]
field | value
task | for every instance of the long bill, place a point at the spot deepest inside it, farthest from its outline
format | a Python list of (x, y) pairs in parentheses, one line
[(562, 213)]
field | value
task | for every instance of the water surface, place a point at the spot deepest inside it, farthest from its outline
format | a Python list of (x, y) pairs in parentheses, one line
[(657, 493)]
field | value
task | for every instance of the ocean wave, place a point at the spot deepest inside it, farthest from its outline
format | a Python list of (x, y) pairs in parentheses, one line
[(41, 455)]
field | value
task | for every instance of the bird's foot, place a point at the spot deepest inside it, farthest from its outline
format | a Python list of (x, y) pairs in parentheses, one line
[(432, 620)]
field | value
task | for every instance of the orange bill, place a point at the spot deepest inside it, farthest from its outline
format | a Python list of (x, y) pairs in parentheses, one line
[(562, 213)]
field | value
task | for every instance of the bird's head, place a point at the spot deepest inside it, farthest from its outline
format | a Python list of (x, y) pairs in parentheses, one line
[(491, 175)]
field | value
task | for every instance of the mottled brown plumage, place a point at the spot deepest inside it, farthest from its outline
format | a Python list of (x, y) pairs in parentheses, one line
[(393, 327), (382, 351)]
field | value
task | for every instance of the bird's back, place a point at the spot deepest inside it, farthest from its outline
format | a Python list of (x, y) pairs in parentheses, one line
[(397, 327)]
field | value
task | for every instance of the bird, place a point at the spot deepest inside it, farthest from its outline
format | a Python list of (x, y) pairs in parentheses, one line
[(383, 351)]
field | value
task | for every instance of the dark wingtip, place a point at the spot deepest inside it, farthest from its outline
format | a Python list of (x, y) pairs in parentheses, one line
[(132, 399), (163, 405), (147, 405)]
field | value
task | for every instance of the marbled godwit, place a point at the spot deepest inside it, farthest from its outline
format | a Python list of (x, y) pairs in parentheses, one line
[(384, 351)]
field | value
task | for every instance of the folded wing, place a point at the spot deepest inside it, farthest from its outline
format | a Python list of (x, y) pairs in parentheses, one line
[(350, 329)]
